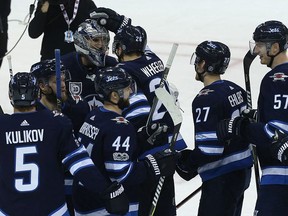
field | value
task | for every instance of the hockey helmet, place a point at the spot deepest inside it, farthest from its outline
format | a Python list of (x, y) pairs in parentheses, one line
[(272, 31), (130, 39), (23, 89), (87, 32), (43, 70), (215, 54), (112, 79)]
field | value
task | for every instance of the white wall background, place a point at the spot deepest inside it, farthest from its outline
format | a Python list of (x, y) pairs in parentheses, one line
[(187, 22)]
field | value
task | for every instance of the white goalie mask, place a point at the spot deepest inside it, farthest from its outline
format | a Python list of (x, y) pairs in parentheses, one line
[(92, 40)]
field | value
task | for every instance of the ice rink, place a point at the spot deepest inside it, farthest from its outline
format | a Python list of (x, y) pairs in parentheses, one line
[(187, 22)]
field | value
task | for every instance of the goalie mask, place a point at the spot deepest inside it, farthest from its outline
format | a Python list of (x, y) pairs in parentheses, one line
[(215, 54), (23, 89), (92, 40)]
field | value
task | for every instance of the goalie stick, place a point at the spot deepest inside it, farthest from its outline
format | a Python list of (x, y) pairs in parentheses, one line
[(247, 61), (58, 79), (163, 80), (176, 116)]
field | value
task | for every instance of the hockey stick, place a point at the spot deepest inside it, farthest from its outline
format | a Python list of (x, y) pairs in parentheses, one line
[(58, 79), (176, 116), (10, 66), (247, 61), (162, 82), (188, 197), (1, 111)]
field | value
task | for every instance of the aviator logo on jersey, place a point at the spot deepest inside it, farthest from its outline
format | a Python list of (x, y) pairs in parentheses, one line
[(280, 76)]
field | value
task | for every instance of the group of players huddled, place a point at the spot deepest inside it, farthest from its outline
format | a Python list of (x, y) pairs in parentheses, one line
[(95, 155)]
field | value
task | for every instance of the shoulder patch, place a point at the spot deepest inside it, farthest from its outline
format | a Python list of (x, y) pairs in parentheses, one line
[(279, 76), (205, 92), (120, 120)]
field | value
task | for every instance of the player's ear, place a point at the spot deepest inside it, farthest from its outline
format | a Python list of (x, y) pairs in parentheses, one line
[(114, 97), (275, 48), (45, 89)]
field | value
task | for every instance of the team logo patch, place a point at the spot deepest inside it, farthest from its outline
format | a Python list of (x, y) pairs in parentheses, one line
[(279, 76), (205, 92), (118, 156), (93, 102), (120, 120), (75, 88)]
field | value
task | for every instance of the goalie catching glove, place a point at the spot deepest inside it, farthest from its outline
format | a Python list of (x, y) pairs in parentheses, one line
[(108, 18), (161, 163), (116, 201), (279, 146)]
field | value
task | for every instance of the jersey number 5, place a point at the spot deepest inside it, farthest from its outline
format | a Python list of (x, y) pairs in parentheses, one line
[(21, 166)]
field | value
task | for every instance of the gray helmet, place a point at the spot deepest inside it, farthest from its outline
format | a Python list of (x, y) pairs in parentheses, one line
[(90, 30)]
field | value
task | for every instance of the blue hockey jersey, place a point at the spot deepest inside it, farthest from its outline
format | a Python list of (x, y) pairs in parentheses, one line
[(273, 109), (82, 77), (111, 142), (34, 146), (220, 100), (147, 72)]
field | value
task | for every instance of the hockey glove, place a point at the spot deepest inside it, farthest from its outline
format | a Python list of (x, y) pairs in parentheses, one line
[(279, 146), (250, 113), (116, 201), (110, 19), (228, 129), (184, 168), (155, 134), (161, 163)]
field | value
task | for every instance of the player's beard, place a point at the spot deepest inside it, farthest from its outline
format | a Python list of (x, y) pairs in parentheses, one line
[(52, 98), (123, 103)]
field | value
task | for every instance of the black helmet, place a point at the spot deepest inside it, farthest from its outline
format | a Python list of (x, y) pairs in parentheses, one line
[(130, 39), (23, 89), (45, 69), (111, 79), (215, 54), (272, 31)]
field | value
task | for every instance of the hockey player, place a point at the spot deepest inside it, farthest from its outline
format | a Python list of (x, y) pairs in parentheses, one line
[(270, 43), (75, 110), (91, 43), (111, 142), (146, 68), (45, 72), (33, 147), (225, 173)]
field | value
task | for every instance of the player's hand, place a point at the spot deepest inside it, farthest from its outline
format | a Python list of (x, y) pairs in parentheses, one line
[(110, 19), (156, 134), (161, 163), (228, 129), (116, 201), (250, 113), (184, 166), (279, 146)]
